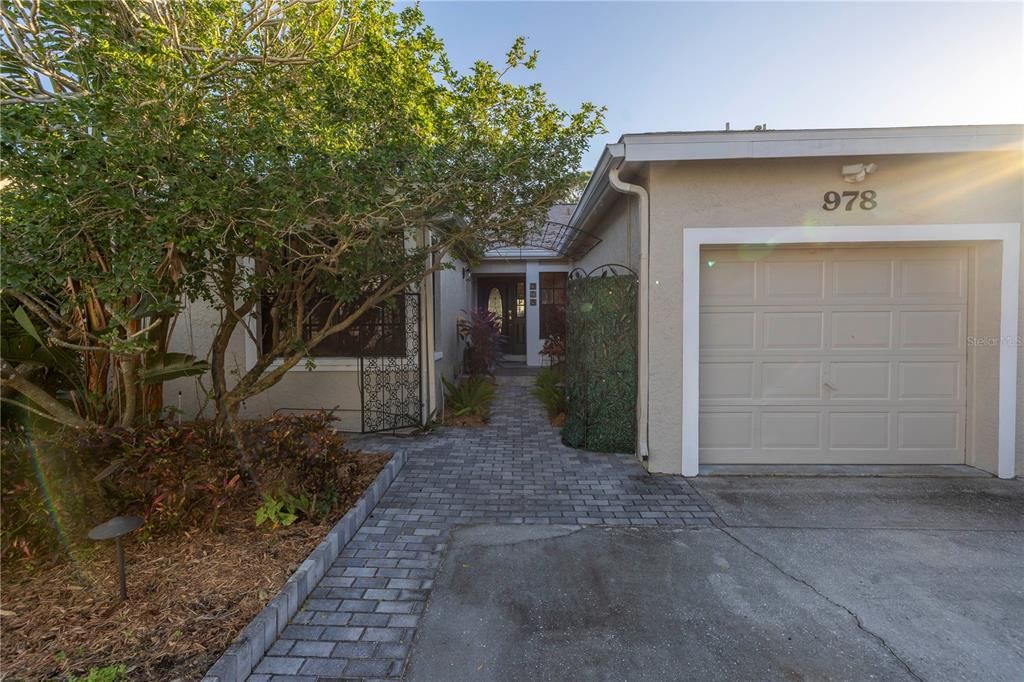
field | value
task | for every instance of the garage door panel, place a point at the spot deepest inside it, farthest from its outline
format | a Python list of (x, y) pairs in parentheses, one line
[(930, 431), (862, 280), (861, 329), (934, 380), (727, 430), (859, 380), (858, 431), (727, 380), (787, 381), (730, 282), (788, 330), (835, 356), (791, 430), (931, 330), (792, 281), (727, 330), (935, 279)]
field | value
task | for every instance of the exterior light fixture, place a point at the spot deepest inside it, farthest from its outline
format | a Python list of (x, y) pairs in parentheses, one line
[(856, 172), (115, 529)]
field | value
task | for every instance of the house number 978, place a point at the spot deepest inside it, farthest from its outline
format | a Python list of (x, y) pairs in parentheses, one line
[(865, 201)]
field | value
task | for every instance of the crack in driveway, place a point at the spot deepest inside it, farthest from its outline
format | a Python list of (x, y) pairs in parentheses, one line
[(856, 618)]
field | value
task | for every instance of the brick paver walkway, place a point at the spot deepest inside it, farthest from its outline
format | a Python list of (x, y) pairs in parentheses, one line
[(360, 620)]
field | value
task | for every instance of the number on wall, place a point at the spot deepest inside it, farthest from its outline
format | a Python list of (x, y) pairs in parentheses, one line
[(868, 200)]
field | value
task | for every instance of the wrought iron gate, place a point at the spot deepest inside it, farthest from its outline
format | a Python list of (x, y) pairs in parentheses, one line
[(390, 383)]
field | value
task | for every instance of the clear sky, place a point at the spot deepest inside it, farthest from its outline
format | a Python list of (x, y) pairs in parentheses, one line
[(693, 66)]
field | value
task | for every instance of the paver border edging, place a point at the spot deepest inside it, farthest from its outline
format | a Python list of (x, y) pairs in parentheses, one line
[(242, 655)]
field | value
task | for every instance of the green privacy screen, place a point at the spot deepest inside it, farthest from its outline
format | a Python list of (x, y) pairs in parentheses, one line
[(601, 345)]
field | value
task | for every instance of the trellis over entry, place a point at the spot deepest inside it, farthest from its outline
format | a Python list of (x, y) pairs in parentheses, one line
[(601, 359), (558, 238)]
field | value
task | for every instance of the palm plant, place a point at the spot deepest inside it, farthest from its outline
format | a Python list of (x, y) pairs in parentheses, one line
[(471, 397), (549, 388)]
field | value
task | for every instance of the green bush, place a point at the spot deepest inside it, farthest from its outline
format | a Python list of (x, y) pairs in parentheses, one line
[(601, 356), (471, 397), (549, 388)]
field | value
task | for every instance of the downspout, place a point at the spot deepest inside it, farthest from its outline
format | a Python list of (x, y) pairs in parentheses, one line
[(427, 377), (643, 336)]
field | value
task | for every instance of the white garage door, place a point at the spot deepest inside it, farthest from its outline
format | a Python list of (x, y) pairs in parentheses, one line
[(833, 356)]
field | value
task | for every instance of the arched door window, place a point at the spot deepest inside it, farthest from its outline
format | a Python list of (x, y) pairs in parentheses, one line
[(496, 305)]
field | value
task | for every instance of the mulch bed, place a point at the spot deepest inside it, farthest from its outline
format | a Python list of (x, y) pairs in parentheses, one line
[(189, 595), (463, 420)]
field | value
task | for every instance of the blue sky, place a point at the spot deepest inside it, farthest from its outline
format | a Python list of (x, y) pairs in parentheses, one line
[(694, 66)]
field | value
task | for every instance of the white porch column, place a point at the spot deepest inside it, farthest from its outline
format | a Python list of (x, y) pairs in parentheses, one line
[(533, 341)]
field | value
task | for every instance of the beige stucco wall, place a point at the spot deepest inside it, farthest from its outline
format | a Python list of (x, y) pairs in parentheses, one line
[(922, 189), (620, 238), (332, 383), (454, 296), (299, 390)]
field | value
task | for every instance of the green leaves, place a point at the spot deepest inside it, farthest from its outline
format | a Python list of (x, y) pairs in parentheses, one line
[(316, 142), (281, 510), (470, 397)]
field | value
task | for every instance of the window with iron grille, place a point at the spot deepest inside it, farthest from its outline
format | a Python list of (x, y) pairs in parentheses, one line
[(378, 331), (552, 304)]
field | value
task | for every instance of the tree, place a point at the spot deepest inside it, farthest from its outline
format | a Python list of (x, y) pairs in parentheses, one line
[(309, 159), (578, 184)]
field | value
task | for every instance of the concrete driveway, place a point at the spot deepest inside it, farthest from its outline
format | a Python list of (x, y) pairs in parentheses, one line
[(809, 579)]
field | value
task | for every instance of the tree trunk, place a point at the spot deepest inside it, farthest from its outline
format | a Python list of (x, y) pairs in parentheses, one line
[(130, 386), (226, 420), (153, 396)]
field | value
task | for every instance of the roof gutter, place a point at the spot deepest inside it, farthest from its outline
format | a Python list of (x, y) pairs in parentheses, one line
[(617, 153)]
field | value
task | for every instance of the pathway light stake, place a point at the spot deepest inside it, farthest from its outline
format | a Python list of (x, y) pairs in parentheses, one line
[(115, 529)]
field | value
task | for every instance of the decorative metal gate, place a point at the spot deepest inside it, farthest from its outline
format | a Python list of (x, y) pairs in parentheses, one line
[(390, 384)]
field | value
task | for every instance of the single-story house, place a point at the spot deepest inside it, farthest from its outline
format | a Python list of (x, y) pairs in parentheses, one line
[(821, 296), (846, 296), (396, 383)]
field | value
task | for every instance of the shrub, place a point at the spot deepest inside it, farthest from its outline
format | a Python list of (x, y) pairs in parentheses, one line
[(47, 499), (471, 397), (482, 333), (549, 388), (177, 476), (303, 455), (601, 346), (554, 349)]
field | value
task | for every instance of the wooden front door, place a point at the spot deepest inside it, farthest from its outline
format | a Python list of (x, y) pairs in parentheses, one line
[(506, 298)]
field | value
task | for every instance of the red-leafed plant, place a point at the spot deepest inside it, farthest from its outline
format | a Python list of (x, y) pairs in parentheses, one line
[(482, 333), (554, 349)]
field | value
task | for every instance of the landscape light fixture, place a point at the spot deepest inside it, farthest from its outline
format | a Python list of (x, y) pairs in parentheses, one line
[(115, 529)]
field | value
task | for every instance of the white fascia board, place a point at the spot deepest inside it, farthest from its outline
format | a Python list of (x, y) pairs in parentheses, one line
[(596, 188), (811, 143)]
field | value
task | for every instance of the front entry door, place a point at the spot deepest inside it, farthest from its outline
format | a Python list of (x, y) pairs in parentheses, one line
[(506, 298)]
